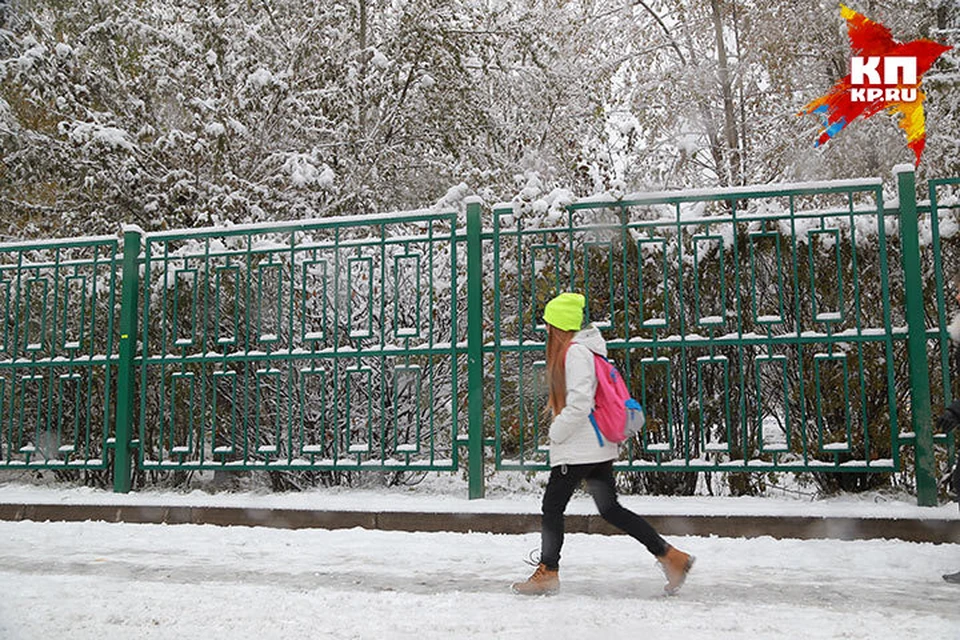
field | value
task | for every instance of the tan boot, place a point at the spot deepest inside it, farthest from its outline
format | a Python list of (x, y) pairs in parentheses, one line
[(543, 582), (676, 565)]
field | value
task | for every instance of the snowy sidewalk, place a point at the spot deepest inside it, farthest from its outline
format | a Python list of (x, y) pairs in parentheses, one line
[(91, 580), (95, 580)]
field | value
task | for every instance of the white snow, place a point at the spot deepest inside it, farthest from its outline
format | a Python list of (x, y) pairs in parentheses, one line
[(102, 580), (303, 171), (215, 129), (260, 77), (766, 190), (85, 132), (53, 243), (379, 60), (147, 581), (512, 493)]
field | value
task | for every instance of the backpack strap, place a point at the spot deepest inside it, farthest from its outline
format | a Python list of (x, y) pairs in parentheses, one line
[(596, 430), (593, 419)]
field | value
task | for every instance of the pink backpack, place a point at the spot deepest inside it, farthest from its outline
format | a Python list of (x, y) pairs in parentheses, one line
[(616, 416)]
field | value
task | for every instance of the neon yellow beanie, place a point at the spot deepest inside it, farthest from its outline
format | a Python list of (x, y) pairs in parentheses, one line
[(565, 311)]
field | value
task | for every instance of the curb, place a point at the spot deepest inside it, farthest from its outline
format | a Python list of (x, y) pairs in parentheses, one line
[(731, 526)]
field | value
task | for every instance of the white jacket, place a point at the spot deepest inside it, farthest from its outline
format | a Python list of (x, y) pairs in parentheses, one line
[(573, 440)]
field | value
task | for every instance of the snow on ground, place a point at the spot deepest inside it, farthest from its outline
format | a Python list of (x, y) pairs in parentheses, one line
[(97, 580)]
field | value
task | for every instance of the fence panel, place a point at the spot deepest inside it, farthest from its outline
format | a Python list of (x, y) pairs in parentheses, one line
[(762, 329), (59, 354), (329, 344), (940, 246)]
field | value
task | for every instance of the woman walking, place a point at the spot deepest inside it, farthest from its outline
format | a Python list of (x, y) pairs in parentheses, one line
[(579, 453)]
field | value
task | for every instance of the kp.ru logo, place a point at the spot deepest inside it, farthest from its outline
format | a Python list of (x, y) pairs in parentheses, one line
[(884, 76), (865, 75)]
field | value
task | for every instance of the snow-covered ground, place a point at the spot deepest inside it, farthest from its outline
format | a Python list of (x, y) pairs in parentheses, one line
[(94, 581), (97, 580)]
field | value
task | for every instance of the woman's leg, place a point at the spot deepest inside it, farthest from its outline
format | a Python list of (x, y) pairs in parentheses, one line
[(601, 486), (563, 482)]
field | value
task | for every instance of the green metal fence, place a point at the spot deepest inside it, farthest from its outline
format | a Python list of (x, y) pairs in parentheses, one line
[(781, 328), (59, 353), (323, 345)]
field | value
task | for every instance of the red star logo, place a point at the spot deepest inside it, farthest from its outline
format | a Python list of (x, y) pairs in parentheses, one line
[(874, 90)]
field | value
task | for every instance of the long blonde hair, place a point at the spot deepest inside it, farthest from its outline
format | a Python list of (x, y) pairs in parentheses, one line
[(558, 341)]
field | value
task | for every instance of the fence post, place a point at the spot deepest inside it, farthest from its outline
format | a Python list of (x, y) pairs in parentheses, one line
[(920, 413), (474, 351), (128, 345)]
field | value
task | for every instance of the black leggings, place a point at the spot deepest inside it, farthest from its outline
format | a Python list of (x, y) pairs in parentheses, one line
[(564, 480)]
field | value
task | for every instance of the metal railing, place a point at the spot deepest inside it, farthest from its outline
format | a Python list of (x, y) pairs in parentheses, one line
[(59, 353), (786, 328), (324, 345)]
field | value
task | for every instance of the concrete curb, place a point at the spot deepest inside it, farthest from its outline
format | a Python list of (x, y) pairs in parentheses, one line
[(736, 526)]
